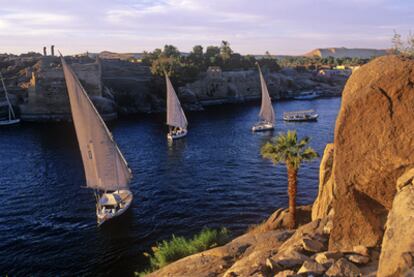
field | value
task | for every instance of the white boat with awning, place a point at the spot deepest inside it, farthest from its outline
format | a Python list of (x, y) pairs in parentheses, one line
[(10, 119), (266, 114), (306, 115), (176, 119), (106, 170)]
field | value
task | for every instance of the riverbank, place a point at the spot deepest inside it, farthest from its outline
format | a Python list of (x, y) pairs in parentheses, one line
[(117, 88)]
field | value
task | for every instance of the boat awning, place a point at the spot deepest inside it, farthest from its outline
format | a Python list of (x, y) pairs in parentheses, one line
[(110, 199), (299, 113)]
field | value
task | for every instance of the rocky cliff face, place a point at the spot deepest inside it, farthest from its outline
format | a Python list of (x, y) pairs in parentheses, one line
[(129, 85), (47, 99), (323, 203), (397, 255), (373, 147), (241, 86)]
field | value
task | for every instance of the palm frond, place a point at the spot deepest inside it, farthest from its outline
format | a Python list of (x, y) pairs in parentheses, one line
[(285, 148)]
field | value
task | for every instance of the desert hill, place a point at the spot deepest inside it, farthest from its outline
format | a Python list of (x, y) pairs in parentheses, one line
[(363, 53)]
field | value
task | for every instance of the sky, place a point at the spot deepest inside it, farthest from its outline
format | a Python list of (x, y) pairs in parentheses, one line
[(290, 27)]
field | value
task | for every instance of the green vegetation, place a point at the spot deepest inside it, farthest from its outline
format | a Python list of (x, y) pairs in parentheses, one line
[(317, 62), (167, 252), (186, 67), (402, 48), (286, 149)]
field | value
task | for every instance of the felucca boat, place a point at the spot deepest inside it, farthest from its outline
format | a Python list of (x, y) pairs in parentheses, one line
[(106, 170), (266, 114), (176, 120), (11, 119)]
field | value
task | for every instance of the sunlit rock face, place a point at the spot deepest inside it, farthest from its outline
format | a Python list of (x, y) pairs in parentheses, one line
[(373, 147), (397, 255), (323, 203)]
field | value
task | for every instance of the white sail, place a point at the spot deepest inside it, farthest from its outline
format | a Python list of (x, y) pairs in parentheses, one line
[(175, 114), (105, 167), (266, 110), (11, 111)]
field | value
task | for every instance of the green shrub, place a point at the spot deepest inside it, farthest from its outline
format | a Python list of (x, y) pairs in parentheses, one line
[(167, 252)]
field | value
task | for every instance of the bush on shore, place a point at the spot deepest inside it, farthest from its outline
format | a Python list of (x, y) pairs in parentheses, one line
[(169, 251)]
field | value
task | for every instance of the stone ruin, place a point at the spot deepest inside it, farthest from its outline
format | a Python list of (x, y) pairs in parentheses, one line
[(47, 98)]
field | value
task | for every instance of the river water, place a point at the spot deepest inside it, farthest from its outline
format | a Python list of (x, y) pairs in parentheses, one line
[(214, 177)]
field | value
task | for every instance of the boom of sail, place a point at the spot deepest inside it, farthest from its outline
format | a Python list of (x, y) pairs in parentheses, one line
[(266, 110), (104, 164), (175, 114)]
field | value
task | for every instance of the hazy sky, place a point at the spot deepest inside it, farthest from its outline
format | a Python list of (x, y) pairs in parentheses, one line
[(251, 26)]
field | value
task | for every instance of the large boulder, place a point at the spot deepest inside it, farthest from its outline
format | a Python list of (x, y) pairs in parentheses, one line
[(323, 203), (397, 254), (373, 147)]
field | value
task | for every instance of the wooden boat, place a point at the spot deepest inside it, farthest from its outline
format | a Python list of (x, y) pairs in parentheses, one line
[(308, 115), (309, 95), (266, 114), (11, 118), (176, 119), (106, 170)]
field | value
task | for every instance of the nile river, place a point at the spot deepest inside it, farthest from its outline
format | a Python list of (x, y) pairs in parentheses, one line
[(212, 178)]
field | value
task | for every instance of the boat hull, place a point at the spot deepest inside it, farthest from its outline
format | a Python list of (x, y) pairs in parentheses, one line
[(9, 122), (104, 216), (306, 96), (310, 118), (261, 127), (175, 136)]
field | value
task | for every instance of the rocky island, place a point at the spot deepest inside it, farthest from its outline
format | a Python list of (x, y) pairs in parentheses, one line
[(360, 223), (119, 87)]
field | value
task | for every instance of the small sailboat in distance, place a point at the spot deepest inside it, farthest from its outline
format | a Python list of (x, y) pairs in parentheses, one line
[(176, 119), (11, 119), (106, 170), (266, 114)]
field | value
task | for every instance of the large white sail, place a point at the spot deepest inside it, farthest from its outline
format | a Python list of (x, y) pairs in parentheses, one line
[(175, 114), (266, 110), (105, 167)]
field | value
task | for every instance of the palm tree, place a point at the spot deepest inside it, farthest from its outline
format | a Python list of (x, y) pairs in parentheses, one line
[(286, 149)]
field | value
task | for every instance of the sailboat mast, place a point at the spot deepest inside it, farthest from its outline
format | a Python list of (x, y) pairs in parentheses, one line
[(11, 111)]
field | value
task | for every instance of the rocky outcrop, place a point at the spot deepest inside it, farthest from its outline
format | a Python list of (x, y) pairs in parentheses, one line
[(397, 255), (243, 256), (47, 98), (373, 147), (323, 203), (241, 86), (279, 219), (281, 252), (129, 84)]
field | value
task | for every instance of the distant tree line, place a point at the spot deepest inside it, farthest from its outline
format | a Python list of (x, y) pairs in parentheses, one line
[(317, 62), (187, 67)]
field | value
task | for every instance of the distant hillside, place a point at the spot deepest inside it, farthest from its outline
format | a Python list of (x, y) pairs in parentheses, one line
[(346, 52)]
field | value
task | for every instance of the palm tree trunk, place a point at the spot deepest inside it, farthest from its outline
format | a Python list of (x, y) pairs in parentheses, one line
[(292, 189)]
